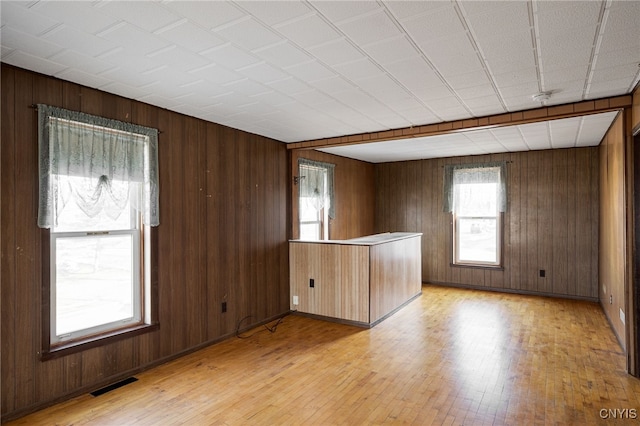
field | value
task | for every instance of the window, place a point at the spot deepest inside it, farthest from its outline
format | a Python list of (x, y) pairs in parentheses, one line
[(315, 199), (98, 199), (476, 197)]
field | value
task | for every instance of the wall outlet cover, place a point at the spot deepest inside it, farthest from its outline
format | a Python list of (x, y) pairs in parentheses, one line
[(622, 318), (295, 300)]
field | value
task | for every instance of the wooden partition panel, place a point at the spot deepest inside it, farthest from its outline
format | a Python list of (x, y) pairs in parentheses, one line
[(551, 223), (223, 237), (612, 228), (395, 275), (341, 285)]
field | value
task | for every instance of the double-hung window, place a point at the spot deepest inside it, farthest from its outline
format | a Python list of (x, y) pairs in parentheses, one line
[(315, 203), (98, 200), (475, 195)]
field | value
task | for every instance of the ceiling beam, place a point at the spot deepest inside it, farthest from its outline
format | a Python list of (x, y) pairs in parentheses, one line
[(509, 119)]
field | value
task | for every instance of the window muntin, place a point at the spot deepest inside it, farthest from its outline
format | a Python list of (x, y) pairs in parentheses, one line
[(477, 221)]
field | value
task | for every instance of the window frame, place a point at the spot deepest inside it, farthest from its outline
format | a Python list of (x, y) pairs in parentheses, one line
[(149, 248), (137, 284), (455, 226), (477, 264), (146, 316), (323, 221)]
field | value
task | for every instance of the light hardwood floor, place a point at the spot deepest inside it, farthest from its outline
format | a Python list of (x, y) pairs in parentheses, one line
[(452, 356)]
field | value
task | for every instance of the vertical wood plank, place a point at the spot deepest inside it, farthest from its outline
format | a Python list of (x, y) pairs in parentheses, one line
[(8, 284), (27, 243), (515, 212), (559, 227)]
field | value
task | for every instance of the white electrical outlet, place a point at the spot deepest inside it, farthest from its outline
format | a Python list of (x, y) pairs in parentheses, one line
[(295, 300), (622, 316)]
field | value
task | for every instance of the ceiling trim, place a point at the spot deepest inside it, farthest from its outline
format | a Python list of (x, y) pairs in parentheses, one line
[(509, 119)]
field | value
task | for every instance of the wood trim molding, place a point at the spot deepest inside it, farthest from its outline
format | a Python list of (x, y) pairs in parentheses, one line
[(509, 119)]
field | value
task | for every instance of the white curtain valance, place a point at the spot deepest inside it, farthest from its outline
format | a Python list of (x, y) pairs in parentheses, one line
[(108, 160), (312, 184), (493, 172)]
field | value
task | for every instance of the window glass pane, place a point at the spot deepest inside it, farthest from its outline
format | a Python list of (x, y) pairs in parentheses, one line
[(310, 231), (73, 219), (477, 240), (476, 199), (307, 210), (94, 281)]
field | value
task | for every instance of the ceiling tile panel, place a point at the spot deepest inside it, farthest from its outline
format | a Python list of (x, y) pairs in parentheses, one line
[(17, 40), (82, 62), (248, 34), (361, 30), (179, 59), (289, 86), (526, 75), (27, 61), (147, 16), (336, 52), (390, 50), (80, 41), (274, 98), (310, 71), (14, 13), (275, 12), (602, 74), (191, 37), (337, 11), (517, 54), (230, 56), (308, 31), (248, 88), (620, 40), (331, 85), (439, 23), (84, 78), (566, 48), (358, 69), (263, 73), (134, 63), (608, 88), (415, 73), (513, 18), (208, 14), (472, 79), (215, 74), (83, 15), (283, 55), (409, 9), (553, 19), (134, 39), (312, 98)]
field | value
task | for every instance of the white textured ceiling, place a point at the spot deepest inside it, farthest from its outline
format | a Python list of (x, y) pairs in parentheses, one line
[(295, 71)]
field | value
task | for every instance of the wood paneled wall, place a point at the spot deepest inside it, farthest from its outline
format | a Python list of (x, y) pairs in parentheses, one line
[(551, 222), (354, 195), (635, 110), (612, 227), (223, 237)]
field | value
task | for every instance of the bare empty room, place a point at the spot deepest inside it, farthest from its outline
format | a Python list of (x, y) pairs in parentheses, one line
[(320, 212)]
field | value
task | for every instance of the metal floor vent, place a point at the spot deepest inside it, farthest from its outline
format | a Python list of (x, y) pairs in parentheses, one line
[(114, 386)]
